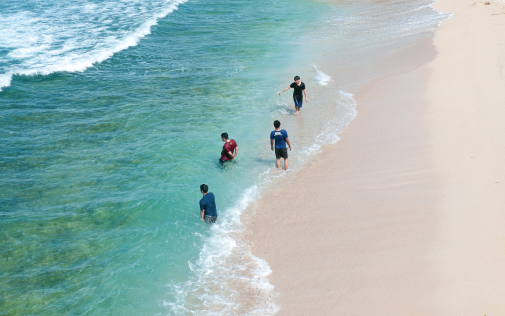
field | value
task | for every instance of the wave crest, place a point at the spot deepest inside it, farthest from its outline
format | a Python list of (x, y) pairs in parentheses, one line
[(74, 37)]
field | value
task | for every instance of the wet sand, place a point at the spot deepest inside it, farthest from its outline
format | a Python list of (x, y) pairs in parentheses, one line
[(406, 214)]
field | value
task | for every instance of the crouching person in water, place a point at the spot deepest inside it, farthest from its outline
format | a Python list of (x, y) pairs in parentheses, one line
[(208, 211)]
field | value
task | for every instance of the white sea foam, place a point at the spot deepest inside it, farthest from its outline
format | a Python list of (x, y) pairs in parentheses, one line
[(5, 80), (345, 113), (320, 77), (285, 111), (72, 37), (226, 272)]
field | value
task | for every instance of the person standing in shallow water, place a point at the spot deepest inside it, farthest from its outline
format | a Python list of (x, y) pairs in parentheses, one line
[(298, 87), (230, 145), (208, 211), (280, 138)]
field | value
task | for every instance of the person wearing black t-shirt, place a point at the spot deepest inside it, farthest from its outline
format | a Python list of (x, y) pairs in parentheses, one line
[(298, 87)]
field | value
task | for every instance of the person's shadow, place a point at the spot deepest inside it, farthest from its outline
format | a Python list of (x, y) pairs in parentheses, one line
[(264, 161)]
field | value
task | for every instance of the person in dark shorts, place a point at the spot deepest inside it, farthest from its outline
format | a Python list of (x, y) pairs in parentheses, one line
[(230, 145), (299, 90), (279, 137), (208, 211)]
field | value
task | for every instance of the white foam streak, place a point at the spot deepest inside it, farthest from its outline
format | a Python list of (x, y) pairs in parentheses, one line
[(40, 47), (225, 271), (346, 112), (320, 77), (5, 80)]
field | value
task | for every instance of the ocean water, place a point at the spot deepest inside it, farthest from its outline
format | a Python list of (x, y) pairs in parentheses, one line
[(110, 119)]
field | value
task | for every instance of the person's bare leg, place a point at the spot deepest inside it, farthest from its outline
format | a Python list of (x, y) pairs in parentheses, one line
[(278, 163), (297, 109), (286, 164)]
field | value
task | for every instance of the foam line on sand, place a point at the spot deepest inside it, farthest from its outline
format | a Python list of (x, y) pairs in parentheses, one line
[(405, 215)]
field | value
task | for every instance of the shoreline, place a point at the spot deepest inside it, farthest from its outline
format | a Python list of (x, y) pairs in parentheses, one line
[(375, 223)]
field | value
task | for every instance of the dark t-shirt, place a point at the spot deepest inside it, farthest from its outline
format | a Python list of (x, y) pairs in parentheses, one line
[(228, 147), (297, 92), (208, 204), (280, 138)]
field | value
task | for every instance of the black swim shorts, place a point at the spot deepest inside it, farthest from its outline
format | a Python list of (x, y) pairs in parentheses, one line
[(209, 219), (281, 153)]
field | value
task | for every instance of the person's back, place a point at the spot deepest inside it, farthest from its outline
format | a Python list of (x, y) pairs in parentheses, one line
[(229, 148), (280, 138), (208, 210)]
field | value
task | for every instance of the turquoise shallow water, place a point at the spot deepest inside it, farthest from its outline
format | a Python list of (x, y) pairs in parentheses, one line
[(101, 169), (112, 123)]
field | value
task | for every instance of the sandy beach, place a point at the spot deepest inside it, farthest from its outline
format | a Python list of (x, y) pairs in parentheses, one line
[(406, 214)]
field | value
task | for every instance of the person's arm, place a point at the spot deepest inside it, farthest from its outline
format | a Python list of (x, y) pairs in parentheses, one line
[(305, 91), (236, 152), (202, 207), (272, 144), (289, 144), (284, 90)]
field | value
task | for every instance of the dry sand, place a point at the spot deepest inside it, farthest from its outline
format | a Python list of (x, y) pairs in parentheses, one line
[(406, 214)]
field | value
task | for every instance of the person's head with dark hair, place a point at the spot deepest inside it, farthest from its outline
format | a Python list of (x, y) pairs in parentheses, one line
[(277, 124), (297, 78), (204, 188), (224, 136)]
